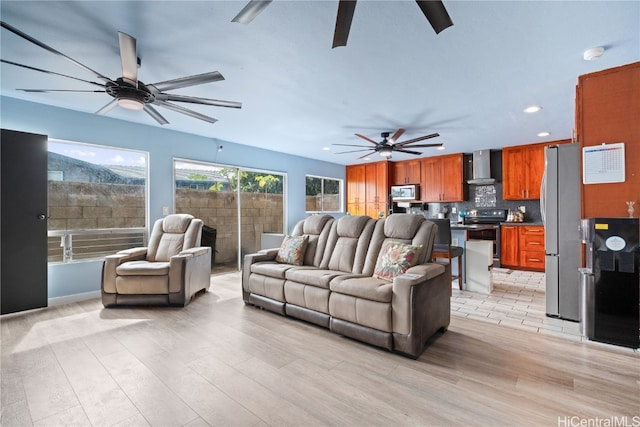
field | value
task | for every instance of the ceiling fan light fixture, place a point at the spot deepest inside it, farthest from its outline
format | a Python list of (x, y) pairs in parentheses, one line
[(131, 104), (386, 152)]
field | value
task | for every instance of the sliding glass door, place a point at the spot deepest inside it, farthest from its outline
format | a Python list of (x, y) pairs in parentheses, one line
[(237, 206)]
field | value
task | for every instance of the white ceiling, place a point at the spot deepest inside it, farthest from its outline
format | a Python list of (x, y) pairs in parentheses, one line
[(470, 83)]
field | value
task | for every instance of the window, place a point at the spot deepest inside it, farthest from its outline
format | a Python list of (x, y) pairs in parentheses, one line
[(97, 200), (323, 194)]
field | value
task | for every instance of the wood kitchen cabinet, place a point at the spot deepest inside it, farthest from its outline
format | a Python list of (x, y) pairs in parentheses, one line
[(406, 172), (522, 169), (442, 179), (368, 189), (509, 246), (376, 189), (522, 247), (531, 246), (356, 189)]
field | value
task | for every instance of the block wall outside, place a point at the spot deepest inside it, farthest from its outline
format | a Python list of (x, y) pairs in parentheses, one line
[(260, 213), (82, 206)]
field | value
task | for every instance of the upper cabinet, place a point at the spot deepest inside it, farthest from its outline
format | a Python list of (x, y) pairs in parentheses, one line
[(442, 179), (406, 172), (522, 169)]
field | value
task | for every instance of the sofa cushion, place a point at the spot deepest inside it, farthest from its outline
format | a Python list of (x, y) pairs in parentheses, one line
[(352, 226), (314, 224), (395, 258), (176, 223), (366, 287), (143, 268), (402, 226), (313, 276), (270, 269), (292, 250)]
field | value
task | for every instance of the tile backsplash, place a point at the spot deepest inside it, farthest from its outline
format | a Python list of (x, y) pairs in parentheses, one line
[(487, 196)]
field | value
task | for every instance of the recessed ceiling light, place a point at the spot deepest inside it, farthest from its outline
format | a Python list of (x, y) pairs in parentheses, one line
[(367, 158), (593, 53), (532, 109), (326, 148), (441, 148), (542, 134)]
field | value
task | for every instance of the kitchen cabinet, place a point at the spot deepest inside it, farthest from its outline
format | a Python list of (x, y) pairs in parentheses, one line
[(522, 169), (406, 172), (531, 247), (376, 189), (356, 189), (368, 189), (509, 246), (442, 179), (522, 247)]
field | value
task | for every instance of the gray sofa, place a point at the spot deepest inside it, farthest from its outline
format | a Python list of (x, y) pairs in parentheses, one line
[(337, 286)]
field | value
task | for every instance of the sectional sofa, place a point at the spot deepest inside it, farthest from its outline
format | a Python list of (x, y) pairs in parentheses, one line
[(368, 279)]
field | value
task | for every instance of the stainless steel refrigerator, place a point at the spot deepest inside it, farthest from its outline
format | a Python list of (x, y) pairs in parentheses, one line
[(560, 209)]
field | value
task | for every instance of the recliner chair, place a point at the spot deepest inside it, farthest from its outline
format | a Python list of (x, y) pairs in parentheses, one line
[(169, 271)]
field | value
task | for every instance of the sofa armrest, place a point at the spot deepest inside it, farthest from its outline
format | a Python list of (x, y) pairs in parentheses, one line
[(250, 259), (111, 262), (419, 282), (197, 251), (190, 269)]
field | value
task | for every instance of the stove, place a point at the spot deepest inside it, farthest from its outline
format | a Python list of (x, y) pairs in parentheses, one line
[(492, 217), (485, 216)]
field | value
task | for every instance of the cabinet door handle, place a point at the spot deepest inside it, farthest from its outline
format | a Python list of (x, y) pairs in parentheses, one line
[(535, 259)]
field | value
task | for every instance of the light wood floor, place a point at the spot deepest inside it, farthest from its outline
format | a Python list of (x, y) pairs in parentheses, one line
[(218, 362)]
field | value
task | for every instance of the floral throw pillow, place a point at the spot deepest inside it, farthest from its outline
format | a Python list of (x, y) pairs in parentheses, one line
[(395, 259), (292, 250)]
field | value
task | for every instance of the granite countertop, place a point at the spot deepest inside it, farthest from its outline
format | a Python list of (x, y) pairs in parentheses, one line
[(521, 223)]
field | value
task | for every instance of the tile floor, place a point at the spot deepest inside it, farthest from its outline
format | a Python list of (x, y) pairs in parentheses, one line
[(517, 301)]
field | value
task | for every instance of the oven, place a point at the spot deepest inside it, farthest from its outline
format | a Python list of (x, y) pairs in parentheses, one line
[(484, 224)]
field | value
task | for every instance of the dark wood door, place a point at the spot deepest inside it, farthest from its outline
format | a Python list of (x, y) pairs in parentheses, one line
[(23, 261)]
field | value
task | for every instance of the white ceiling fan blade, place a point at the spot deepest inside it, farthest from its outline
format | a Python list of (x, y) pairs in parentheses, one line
[(250, 11), (129, 58), (110, 106), (154, 113)]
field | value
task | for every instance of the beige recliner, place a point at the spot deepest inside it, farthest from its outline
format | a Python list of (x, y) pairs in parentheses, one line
[(169, 271)]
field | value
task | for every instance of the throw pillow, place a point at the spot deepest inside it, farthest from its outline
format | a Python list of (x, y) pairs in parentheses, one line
[(395, 259), (292, 250)]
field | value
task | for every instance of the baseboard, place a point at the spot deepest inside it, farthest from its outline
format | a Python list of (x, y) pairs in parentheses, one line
[(73, 298)]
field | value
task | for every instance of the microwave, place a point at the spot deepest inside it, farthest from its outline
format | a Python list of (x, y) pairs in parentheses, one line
[(401, 193)]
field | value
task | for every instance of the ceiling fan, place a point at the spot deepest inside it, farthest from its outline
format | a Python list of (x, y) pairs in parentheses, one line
[(127, 91), (387, 146), (433, 10)]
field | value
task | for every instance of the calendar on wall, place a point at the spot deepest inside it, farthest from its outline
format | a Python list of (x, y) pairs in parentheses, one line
[(602, 164)]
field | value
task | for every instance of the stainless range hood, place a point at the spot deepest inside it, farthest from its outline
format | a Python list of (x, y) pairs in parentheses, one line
[(481, 168)]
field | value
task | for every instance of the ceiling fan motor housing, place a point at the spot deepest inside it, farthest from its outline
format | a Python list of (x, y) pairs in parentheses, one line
[(123, 90)]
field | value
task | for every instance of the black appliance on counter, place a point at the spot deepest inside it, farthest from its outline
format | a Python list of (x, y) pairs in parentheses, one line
[(610, 283), (486, 216)]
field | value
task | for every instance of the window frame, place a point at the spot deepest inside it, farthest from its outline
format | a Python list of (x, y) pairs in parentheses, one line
[(340, 194), (67, 236)]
